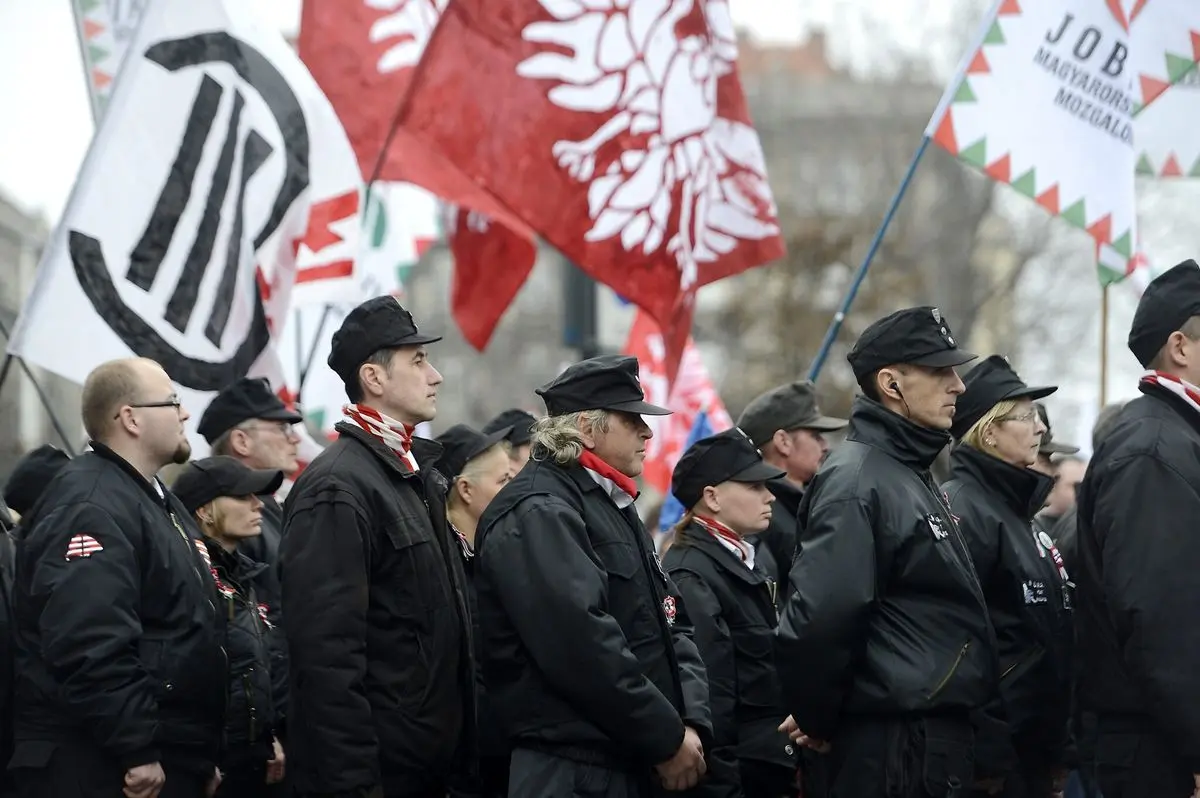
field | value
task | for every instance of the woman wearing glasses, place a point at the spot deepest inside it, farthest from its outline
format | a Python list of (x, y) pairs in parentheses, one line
[(1021, 739), (224, 496)]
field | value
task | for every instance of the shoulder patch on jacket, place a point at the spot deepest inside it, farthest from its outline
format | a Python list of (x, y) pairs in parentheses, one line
[(82, 546)]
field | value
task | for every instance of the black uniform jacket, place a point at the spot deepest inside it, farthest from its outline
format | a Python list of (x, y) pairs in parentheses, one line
[(733, 610), (264, 550), (886, 615), (378, 630), (1030, 606), (780, 537), (1137, 604), (117, 629), (587, 649), (250, 713)]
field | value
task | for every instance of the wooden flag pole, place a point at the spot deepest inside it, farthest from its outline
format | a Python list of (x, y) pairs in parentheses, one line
[(1104, 345)]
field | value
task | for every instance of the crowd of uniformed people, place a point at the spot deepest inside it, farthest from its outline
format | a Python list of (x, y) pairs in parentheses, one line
[(486, 615)]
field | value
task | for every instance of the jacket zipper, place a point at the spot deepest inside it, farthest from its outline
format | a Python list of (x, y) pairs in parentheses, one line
[(962, 652), (1037, 650), (249, 691)]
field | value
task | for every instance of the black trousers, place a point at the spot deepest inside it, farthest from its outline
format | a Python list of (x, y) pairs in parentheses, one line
[(766, 780), (81, 771), (902, 758), (1126, 759), (533, 774), (249, 781)]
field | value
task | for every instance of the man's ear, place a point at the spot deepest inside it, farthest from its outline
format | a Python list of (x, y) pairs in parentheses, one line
[(888, 384)]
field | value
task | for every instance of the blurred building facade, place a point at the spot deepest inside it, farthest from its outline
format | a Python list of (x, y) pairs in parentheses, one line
[(25, 422)]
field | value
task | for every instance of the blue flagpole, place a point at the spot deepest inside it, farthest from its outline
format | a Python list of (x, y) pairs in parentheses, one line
[(836, 325)]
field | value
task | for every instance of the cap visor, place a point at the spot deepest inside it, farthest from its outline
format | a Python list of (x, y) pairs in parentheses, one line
[(825, 424), (1039, 392), (418, 339), (1053, 447), (640, 408), (258, 483), (489, 442), (759, 472), (282, 414), (944, 358)]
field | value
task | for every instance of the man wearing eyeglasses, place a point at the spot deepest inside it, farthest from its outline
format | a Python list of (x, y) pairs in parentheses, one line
[(248, 422), (121, 679)]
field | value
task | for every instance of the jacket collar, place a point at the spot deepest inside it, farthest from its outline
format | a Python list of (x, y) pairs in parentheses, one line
[(874, 425), (426, 451), (234, 563), (1185, 410), (1022, 490), (108, 455), (699, 539)]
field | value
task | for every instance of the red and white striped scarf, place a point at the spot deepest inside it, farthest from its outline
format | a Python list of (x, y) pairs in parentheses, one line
[(728, 538), (1181, 388), (390, 432)]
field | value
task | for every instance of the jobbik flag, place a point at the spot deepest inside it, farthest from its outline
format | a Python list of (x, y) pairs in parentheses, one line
[(218, 178), (1046, 102)]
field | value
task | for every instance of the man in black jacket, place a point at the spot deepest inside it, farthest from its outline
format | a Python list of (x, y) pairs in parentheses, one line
[(587, 654), (248, 422), (884, 647), (786, 425), (1137, 607), (120, 673), (374, 602)]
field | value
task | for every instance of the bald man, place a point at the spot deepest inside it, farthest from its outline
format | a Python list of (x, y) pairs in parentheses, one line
[(121, 678)]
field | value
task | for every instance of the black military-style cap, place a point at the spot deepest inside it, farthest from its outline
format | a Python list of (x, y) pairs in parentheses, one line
[(988, 384), (462, 444), (201, 481), (728, 456), (32, 473), (608, 382), (1169, 301), (519, 423), (919, 336), (788, 407), (249, 397), (379, 323), (1050, 446)]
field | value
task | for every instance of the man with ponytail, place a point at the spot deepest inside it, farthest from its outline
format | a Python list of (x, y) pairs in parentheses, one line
[(1137, 607), (375, 609), (586, 649)]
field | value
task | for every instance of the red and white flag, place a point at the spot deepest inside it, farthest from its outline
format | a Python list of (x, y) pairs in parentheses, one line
[(363, 53), (618, 131), (691, 393)]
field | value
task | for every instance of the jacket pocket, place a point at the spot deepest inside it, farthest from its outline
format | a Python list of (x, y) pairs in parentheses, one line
[(944, 682), (1022, 664), (948, 766)]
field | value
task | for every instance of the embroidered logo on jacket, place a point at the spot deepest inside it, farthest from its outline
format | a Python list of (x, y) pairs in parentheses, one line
[(1034, 592), (82, 546), (937, 526)]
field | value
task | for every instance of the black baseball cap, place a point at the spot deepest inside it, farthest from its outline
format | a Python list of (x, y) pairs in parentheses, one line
[(462, 444), (31, 475), (919, 336), (249, 397), (788, 407), (608, 382), (991, 382), (519, 423), (201, 481), (1050, 446), (728, 456), (1169, 301), (379, 323)]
